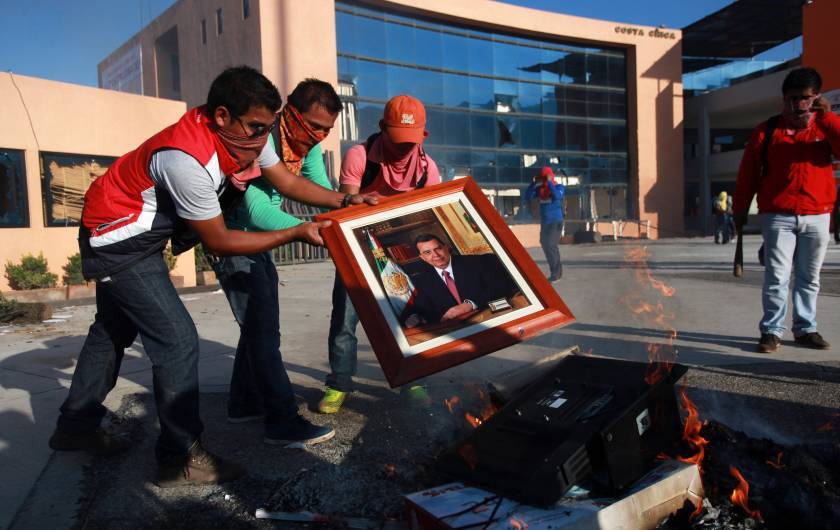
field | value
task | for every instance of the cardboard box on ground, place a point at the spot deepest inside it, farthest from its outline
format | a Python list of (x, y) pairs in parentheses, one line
[(661, 492)]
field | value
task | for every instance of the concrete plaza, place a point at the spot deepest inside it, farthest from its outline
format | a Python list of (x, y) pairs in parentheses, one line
[(792, 396)]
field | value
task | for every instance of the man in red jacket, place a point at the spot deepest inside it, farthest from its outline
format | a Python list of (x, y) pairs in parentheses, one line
[(792, 175)]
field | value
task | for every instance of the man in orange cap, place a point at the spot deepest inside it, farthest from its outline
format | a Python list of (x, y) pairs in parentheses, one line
[(551, 217), (391, 161)]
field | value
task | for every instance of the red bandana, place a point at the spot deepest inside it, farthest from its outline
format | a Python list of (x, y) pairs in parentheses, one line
[(296, 138)]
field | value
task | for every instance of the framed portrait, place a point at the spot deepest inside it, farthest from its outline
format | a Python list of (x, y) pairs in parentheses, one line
[(437, 279)]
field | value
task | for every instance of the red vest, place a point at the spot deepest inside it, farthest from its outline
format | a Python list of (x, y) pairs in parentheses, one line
[(126, 217)]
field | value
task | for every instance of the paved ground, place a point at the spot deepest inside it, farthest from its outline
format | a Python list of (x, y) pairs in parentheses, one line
[(792, 396)]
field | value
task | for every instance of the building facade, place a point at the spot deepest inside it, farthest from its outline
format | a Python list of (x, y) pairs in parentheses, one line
[(507, 89), (55, 140)]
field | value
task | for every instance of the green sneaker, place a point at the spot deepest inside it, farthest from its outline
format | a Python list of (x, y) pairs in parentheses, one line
[(418, 397), (332, 401)]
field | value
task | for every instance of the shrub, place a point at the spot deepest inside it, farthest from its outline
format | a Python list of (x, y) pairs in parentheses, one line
[(6, 305), (202, 264), (31, 273), (170, 258), (73, 270)]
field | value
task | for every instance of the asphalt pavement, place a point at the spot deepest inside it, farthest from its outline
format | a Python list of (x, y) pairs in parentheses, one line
[(676, 297)]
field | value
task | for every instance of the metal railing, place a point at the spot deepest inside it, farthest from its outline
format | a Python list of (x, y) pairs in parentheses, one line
[(297, 252)]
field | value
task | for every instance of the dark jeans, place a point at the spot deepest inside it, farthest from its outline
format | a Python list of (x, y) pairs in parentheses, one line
[(140, 299), (342, 343), (259, 381), (550, 242)]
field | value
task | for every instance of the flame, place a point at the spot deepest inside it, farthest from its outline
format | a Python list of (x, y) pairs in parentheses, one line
[(691, 432), (467, 452), (475, 422), (518, 524), (451, 402), (741, 493), (778, 463), (390, 469), (652, 313)]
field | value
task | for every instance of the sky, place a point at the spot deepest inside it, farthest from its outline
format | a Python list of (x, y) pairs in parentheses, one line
[(64, 40)]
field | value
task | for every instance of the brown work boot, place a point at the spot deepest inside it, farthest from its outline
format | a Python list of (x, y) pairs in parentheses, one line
[(768, 343), (201, 467), (812, 340), (98, 442)]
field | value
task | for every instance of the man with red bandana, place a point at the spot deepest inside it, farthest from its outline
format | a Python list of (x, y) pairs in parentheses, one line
[(787, 163), (181, 178), (390, 162), (259, 385)]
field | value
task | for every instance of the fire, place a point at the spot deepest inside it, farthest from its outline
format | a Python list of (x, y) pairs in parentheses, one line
[(653, 313), (778, 463), (467, 452), (518, 524), (390, 469), (691, 432), (475, 422), (451, 402), (741, 493)]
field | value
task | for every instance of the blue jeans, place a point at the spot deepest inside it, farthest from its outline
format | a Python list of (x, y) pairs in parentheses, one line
[(550, 241), (259, 382), (140, 299), (796, 242), (342, 343)]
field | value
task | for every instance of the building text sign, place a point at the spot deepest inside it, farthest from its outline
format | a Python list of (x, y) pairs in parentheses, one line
[(641, 32)]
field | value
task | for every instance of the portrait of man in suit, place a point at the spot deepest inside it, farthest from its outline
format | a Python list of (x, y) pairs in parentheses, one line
[(453, 287)]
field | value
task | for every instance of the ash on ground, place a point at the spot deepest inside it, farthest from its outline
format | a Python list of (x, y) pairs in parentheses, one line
[(383, 449)]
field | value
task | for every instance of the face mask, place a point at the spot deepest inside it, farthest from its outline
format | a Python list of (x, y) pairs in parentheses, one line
[(299, 135), (245, 149)]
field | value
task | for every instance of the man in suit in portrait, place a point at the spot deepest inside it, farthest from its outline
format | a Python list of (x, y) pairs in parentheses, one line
[(453, 286)]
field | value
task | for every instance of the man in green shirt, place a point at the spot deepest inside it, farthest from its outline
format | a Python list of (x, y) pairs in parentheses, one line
[(259, 386)]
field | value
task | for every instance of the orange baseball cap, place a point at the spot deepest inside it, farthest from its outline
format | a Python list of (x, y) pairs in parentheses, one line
[(405, 119)]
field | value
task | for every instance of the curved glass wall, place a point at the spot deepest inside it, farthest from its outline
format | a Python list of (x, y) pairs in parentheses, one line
[(499, 107)]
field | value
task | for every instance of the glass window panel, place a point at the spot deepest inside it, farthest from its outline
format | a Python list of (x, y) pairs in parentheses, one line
[(483, 130), (456, 56), (528, 61), (616, 72), (481, 94), (428, 47), (400, 80), (436, 125), (456, 90), (13, 198), (480, 56), (399, 43), (575, 68), (554, 135), (428, 86), (531, 133), (618, 138), (508, 131), (369, 38), (439, 157), (575, 136), (369, 116), (371, 79), (596, 104), (66, 179), (483, 166), (553, 65), (575, 101), (509, 169), (505, 60), (345, 31), (529, 98), (460, 160), (457, 128), (553, 100), (596, 68)]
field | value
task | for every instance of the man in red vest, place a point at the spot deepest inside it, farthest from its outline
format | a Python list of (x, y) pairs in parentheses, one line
[(175, 185)]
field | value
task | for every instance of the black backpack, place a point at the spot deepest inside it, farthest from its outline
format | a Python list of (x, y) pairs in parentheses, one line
[(372, 168)]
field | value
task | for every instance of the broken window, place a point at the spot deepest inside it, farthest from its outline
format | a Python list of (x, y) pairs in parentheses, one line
[(66, 178), (13, 197)]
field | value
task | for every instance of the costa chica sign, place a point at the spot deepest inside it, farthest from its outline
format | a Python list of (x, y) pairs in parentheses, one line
[(655, 33)]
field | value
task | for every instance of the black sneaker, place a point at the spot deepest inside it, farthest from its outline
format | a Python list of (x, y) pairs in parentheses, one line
[(199, 467), (297, 432), (812, 340), (98, 442), (768, 343)]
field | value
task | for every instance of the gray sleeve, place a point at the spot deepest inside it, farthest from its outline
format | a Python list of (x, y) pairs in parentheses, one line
[(190, 185), (268, 157)]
